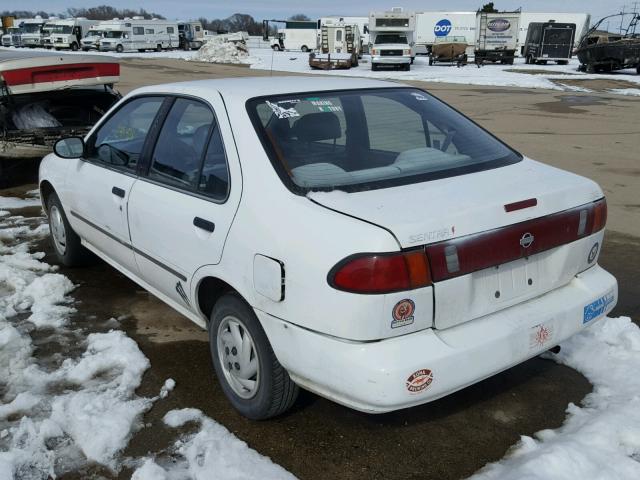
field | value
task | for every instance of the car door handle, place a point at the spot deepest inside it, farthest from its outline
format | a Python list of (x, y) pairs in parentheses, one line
[(204, 224), (118, 191)]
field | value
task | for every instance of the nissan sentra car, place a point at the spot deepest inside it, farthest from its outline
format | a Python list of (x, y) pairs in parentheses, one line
[(356, 238)]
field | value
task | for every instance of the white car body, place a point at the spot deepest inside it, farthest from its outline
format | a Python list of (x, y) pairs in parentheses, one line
[(276, 249)]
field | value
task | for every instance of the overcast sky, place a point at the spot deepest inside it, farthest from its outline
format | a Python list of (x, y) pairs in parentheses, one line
[(260, 9)]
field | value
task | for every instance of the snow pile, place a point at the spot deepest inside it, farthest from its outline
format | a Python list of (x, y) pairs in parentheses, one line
[(55, 412), (13, 202), (601, 439), (221, 50), (212, 452)]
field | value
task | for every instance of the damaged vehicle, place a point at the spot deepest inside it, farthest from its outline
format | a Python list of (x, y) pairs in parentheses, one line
[(43, 96), (601, 51), (356, 238)]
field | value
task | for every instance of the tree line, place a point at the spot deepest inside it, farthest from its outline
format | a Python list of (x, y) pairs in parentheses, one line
[(103, 12)]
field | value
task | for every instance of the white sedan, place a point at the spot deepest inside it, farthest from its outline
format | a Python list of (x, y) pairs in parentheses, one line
[(356, 238)]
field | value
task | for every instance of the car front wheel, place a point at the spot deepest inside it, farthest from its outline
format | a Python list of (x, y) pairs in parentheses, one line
[(66, 243), (248, 371)]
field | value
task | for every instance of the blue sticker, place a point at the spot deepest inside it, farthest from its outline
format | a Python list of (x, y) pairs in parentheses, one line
[(597, 308)]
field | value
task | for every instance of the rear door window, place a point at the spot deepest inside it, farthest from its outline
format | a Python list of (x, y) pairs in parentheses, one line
[(178, 153)]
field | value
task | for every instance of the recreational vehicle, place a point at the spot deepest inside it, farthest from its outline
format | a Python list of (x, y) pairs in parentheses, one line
[(362, 22), (340, 38), (66, 33), (392, 38), (32, 32), (138, 34)]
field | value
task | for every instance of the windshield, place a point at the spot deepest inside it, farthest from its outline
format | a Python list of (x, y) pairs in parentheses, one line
[(112, 34), (94, 33), (361, 139), (390, 38), (32, 28)]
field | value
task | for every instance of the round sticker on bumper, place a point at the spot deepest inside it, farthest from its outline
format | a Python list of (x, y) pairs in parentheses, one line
[(419, 381), (593, 253)]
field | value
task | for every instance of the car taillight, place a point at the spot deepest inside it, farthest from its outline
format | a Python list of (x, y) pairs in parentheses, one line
[(381, 272)]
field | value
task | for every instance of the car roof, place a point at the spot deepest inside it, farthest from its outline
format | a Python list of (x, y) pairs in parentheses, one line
[(242, 89)]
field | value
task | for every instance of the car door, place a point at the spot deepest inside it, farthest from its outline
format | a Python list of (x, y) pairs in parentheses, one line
[(100, 183), (180, 212)]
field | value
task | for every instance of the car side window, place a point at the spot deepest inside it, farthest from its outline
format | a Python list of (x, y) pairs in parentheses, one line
[(214, 177), (119, 141), (178, 153)]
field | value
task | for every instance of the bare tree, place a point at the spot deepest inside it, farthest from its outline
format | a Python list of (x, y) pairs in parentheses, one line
[(301, 17)]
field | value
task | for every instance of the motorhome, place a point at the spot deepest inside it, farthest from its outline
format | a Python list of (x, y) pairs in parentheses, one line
[(32, 32), (191, 35), (434, 26), (91, 40), (392, 38), (66, 33), (340, 37), (362, 22), (497, 37), (549, 42), (296, 35), (138, 34)]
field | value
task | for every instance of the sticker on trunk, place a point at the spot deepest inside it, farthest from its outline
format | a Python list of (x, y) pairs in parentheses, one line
[(597, 308), (419, 381), (403, 313), (540, 336)]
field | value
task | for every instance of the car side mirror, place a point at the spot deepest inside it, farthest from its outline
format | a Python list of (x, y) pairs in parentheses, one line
[(70, 147)]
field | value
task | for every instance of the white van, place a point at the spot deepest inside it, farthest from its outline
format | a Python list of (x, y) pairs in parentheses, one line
[(138, 34), (296, 35), (91, 40), (66, 33)]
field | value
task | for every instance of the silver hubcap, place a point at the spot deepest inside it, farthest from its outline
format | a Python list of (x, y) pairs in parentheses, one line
[(57, 230), (238, 357)]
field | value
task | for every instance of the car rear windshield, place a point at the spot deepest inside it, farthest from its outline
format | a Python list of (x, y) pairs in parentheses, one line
[(363, 139)]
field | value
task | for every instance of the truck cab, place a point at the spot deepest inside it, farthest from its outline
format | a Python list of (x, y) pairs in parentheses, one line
[(32, 30), (191, 35), (68, 33), (392, 38)]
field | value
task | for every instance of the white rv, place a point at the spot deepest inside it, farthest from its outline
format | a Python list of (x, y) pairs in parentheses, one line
[(66, 33), (138, 34), (340, 38), (91, 40), (392, 38), (362, 22), (32, 32), (297, 35), (433, 26)]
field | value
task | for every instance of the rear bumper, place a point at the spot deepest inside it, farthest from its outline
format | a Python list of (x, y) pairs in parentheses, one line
[(417, 368)]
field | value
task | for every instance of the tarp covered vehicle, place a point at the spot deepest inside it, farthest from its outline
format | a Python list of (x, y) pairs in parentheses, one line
[(44, 96)]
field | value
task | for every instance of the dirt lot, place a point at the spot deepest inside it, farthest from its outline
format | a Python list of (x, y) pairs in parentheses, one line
[(450, 438)]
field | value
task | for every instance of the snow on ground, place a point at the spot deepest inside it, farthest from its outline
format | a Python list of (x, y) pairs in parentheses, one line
[(220, 50), (531, 76), (600, 439), (62, 411)]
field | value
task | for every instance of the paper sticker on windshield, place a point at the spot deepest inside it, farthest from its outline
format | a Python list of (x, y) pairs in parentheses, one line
[(419, 96), (597, 308), (282, 112), (326, 105)]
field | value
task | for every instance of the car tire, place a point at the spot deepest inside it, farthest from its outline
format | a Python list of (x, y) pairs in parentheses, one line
[(119, 48), (158, 48), (66, 243), (305, 49), (74, 47), (272, 392), (374, 67)]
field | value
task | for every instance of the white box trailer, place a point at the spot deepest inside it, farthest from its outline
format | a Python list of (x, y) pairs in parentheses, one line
[(296, 35), (582, 21), (436, 25), (138, 34), (497, 37), (66, 33)]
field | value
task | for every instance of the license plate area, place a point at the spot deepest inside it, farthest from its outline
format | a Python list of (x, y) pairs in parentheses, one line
[(513, 280)]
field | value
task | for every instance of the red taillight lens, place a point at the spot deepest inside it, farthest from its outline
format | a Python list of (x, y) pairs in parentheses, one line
[(381, 272)]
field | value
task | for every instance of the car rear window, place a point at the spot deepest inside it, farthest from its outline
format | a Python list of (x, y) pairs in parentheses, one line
[(362, 139)]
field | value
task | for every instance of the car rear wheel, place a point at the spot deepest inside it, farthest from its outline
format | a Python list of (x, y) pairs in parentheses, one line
[(66, 243), (119, 49), (74, 46), (248, 371), (158, 48)]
